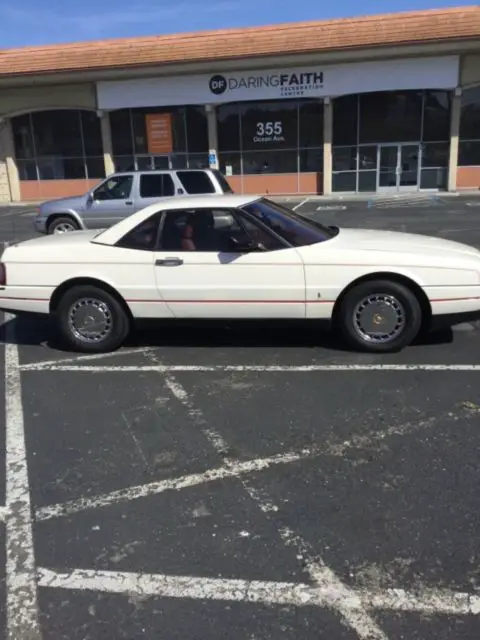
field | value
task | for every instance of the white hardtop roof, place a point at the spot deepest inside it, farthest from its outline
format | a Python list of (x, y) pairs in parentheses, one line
[(117, 231)]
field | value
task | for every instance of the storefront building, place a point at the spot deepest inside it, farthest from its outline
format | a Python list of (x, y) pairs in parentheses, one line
[(387, 104)]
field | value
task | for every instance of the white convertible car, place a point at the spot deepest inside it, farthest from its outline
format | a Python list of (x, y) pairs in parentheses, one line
[(240, 257)]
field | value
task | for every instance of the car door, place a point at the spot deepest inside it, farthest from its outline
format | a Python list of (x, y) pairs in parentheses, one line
[(152, 186), (217, 277), (110, 202), (133, 272)]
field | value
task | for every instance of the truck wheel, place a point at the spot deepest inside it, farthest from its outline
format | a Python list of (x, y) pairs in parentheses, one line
[(92, 320), (381, 316), (64, 224)]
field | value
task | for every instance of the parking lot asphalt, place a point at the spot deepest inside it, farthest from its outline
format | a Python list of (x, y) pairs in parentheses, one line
[(224, 481)]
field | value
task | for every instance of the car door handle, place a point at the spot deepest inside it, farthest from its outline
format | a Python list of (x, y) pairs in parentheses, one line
[(169, 262), (128, 201)]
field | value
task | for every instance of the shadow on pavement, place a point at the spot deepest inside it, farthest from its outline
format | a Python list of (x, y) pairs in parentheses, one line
[(31, 331)]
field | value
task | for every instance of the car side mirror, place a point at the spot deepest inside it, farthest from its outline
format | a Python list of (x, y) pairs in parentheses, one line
[(90, 198)]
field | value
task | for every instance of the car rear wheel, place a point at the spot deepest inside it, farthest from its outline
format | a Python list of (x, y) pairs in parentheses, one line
[(380, 316), (64, 224), (91, 320)]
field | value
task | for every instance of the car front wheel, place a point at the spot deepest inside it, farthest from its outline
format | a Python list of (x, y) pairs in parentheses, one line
[(64, 224), (91, 320), (380, 316)]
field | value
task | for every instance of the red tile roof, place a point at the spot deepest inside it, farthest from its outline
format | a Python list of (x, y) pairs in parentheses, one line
[(229, 44)]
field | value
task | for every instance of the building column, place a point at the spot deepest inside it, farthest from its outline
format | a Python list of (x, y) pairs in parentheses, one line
[(327, 145), (212, 136), (106, 142), (454, 135), (9, 180)]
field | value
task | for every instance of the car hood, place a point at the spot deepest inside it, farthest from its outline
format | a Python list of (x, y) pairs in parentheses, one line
[(372, 240), (73, 202)]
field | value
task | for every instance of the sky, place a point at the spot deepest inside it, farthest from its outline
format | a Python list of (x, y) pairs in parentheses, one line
[(38, 22)]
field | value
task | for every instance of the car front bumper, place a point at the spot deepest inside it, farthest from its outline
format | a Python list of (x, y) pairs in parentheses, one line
[(40, 224)]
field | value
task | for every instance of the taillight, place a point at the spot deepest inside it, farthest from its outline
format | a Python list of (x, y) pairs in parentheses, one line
[(3, 274)]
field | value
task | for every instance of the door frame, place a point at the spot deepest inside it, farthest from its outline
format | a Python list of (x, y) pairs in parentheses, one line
[(399, 188)]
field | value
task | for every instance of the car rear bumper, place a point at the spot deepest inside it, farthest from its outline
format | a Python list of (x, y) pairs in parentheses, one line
[(19, 300)]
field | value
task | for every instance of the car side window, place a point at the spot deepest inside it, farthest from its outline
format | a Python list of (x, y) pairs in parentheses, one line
[(214, 230), (156, 185), (258, 235), (116, 188), (196, 182), (143, 237)]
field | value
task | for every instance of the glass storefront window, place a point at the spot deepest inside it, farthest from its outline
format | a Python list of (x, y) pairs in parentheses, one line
[(228, 127), (391, 116), (470, 114), (121, 130), (367, 181), (188, 129), (124, 163), (310, 123), (469, 153), (22, 136), (198, 161), (436, 116), (435, 154), (344, 158), (269, 125), (345, 120), (433, 179), (230, 164), (311, 160), (281, 136), (57, 133), (62, 144), (395, 117), (266, 162), (344, 181), (140, 134), (197, 130)]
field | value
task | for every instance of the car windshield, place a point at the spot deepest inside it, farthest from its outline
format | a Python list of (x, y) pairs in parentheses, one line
[(295, 229)]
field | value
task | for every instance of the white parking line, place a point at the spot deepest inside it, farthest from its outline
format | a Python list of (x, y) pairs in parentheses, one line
[(428, 601), (86, 358), (309, 368), (336, 594), (66, 509), (239, 468), (300, 204), (21, 585)]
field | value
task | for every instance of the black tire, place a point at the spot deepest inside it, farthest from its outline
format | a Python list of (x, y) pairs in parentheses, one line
[(406, 306), (62, 220), (111, 311)]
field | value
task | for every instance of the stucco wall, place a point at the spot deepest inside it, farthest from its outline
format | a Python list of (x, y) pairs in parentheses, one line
[(20, 99), (470, 70)]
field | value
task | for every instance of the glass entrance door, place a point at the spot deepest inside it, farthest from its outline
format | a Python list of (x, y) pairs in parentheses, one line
[(398, 167)]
